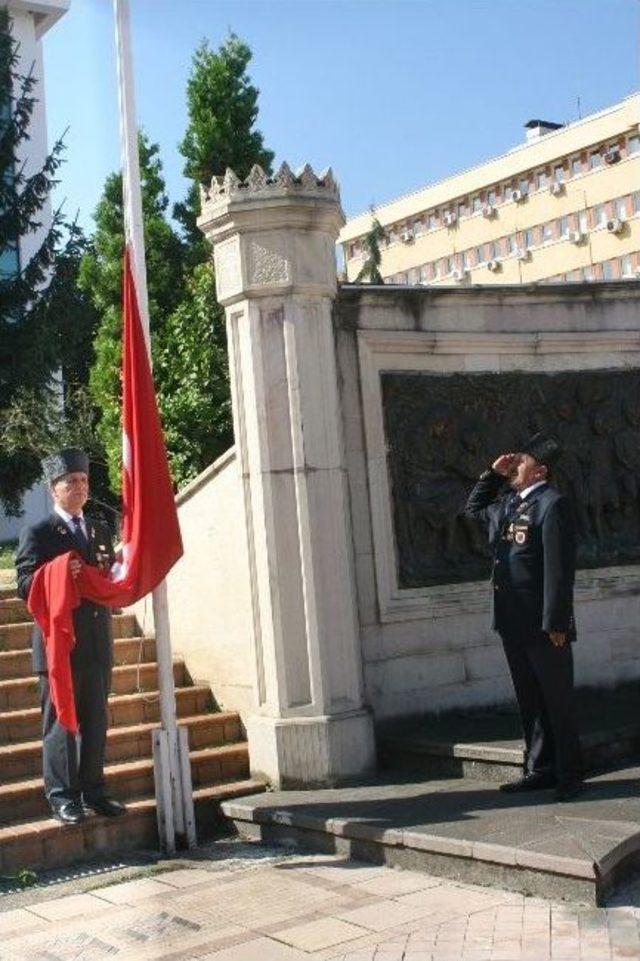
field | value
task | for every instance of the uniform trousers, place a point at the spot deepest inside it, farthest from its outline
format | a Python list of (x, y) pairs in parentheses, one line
[(73, 767), (542, 677)]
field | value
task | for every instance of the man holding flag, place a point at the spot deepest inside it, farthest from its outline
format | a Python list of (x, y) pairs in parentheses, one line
[(73, 772)]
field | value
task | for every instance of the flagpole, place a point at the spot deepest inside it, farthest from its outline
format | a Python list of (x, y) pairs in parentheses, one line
[(174, 798)]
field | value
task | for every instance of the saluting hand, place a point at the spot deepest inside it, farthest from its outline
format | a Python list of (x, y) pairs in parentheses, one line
[(505, 464), (557, 638)]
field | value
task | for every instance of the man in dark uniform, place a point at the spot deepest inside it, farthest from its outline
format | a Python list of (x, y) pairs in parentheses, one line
[(532, 537), (73, 769)]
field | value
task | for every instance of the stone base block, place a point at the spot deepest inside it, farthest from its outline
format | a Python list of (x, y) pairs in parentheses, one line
[(307, 752)]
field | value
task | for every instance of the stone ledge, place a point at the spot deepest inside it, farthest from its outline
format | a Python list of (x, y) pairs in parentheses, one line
[(461, 830)]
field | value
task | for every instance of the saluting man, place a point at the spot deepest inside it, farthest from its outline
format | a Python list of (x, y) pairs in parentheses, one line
[(73, 769), (532, 536)]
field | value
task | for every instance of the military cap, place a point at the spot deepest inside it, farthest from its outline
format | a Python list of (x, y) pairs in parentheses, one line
[(67, 461), (544, 448)]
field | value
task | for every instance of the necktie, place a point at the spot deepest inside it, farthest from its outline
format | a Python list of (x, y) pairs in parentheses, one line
[(77, 529)]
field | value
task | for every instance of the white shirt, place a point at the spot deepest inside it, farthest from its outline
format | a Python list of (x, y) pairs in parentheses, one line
[(532, 487), (68, 519)]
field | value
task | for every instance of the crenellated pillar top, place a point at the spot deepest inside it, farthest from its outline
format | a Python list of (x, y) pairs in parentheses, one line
[(272, 234)]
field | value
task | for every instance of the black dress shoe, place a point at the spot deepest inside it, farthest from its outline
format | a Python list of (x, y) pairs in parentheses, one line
[(106, 806), (68, 812), (529, 782), (568, 791)]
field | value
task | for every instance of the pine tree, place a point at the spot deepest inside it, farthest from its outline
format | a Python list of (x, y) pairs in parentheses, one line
[(28, 290), (370, 270)]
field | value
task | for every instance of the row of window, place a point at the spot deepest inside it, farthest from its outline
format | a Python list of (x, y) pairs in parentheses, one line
[(486, 200), (574, 227), (620, 268)]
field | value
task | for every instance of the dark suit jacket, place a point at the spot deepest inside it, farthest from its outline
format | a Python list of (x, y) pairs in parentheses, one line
[(42, 542), (533, 564)]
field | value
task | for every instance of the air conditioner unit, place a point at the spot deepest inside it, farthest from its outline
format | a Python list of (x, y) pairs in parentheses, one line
[(449, 218), (577, 236), (488, 210), (615, 226), (522, 253), (612, 155), (459, 274), (556, 188), (517, 196), (493, 265), (406, 236)]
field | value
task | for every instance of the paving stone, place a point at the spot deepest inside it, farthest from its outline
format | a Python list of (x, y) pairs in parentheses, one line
[(258, 949), (72, 906), (394, 883), (319, 934), (186, 877), (130, 892), (385, 914)]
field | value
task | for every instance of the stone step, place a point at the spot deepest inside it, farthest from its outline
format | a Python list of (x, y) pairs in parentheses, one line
[(125, 710), (23, 692), (488, 746), (127, 650), (129, 780), (22, 761), (465, 829), (44, 843), (13, 609), (17, 636)]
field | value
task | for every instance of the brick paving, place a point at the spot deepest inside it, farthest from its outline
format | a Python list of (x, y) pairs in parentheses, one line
[(294, 907)]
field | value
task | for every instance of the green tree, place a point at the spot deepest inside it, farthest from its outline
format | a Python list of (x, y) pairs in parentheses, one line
[(100, 277), (30, 290), (191, 367), (222, 105), (370, 270)]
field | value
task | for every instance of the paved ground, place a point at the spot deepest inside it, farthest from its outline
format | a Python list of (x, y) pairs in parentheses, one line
[(261, 905)]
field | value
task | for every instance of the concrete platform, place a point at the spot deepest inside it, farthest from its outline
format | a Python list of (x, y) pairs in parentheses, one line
[(465, 830), (487, 745)]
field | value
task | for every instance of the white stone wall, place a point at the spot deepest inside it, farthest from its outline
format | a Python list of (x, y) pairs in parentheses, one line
[(208, 589), (432, 649)]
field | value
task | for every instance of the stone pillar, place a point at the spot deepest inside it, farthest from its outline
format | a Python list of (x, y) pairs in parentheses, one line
[(274, 251)]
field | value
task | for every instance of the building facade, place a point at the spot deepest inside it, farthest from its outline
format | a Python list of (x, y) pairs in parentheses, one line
[(30, 21), (563, 206)]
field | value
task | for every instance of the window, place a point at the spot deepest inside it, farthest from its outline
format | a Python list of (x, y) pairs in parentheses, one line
[(523, 184), (450, 265), (634, 144), (583, 221), (493, 251), (558, 173), (435, 270), (576, 166), (432, 219), (511, 244), (418, 226), (414, 275), (393, 235), (636, 202), (600, 215), (595, 160), (607, 270), (491, 197), (563, 225), (626, 270), (587, 273), (480, 258), (541, 179), (620, 207), (506, 192), (546, 233), (466, 260), (463, 208), (477, 204), (424, 274), (401, 279), (528, 238)]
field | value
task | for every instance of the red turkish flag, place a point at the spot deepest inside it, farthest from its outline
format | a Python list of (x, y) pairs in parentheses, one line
[(151, 535)]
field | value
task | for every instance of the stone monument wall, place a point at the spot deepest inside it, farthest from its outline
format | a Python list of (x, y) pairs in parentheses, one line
[(434, 384)]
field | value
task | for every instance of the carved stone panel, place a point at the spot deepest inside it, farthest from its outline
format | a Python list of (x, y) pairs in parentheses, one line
[(442, 431)]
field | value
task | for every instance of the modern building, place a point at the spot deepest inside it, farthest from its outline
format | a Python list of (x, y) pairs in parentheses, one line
[(563, 206), (30, 21)]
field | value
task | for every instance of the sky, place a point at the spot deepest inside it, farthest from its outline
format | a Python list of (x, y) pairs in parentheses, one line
[(393, 94)]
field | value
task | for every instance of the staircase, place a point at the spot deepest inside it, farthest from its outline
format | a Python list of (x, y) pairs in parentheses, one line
[(29, 837)]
